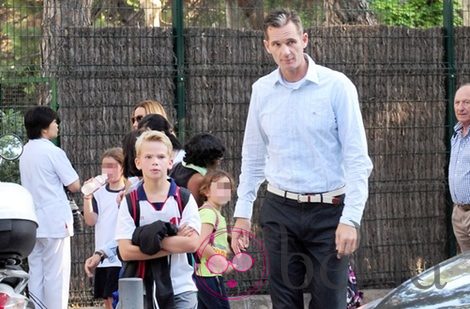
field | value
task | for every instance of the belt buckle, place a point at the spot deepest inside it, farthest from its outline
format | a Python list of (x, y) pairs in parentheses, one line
[(308, 196)]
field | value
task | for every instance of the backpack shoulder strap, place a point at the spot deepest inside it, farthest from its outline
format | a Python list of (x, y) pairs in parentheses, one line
[(133, 206), (182, 198)]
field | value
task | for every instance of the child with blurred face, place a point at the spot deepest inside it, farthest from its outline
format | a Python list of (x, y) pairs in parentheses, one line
[(216, 188), (100, 210), (114, 170)]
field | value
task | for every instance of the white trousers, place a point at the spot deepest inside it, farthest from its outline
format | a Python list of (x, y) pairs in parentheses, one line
[(49, 271)]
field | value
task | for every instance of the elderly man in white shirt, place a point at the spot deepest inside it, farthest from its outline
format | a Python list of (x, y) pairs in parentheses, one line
[(305, 136), (45, 170)]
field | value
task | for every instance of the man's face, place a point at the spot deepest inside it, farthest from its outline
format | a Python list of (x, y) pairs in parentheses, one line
[(153, 160), (286, 45), (462, 105)]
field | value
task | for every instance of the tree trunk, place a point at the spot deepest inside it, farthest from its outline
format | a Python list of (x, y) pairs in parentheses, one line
[(230, 13), (253, 11), (57, 16), (348, 12), (466, 12)]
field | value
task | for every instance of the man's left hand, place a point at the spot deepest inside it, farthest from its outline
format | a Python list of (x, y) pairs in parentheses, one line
[(346, 240)]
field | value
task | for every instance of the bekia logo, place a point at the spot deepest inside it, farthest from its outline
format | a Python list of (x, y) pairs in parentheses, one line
[(244, 273)]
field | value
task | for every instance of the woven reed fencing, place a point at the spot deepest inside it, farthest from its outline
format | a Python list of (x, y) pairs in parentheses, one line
[(401, 79)]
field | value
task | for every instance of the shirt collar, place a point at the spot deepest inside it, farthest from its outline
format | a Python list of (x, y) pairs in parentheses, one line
[(113, 191), (312, 73), (458, 127), (201, 170), (143, 197), (41, 140)]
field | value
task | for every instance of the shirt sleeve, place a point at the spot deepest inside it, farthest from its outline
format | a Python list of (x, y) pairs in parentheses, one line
[(357, 164), (190, 215), (64, 168), (253, 161), (208, 216), (125, 225), (109, 248), (94, 204)]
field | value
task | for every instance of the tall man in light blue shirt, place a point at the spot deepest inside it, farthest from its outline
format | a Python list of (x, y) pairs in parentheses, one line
[(305, 136), (459, 168)]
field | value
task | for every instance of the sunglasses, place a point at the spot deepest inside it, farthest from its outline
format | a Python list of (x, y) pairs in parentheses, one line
[(136, 118)]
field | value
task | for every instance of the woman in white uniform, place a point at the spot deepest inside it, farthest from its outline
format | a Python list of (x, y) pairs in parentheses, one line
[(45, 170)]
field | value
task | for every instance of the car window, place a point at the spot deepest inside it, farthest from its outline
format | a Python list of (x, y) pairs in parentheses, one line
[(445, 285)]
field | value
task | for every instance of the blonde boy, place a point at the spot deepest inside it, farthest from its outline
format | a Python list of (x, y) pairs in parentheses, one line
[(157, 200)]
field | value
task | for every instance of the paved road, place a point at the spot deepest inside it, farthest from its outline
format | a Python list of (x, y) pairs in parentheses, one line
[(263, 301)]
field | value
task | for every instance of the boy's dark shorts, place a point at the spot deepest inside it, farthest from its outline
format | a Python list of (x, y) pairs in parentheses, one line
[(106, 281)]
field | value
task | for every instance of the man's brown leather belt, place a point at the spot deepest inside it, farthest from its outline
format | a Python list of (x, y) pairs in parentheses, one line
[(332, 197), (464, 207)]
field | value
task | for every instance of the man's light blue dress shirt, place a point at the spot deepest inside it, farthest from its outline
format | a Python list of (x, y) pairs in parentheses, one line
[(306, 137)]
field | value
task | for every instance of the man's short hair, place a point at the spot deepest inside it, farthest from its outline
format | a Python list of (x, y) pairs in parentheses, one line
[(280, 17), (37, 119), (153, 136)]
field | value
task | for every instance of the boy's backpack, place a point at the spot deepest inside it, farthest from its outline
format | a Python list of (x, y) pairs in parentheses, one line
[(132, 199)]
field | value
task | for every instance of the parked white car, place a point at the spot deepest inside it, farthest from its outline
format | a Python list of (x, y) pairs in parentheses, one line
[(445, 285)]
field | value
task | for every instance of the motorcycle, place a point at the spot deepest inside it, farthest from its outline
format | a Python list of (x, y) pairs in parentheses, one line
[(18, 226)]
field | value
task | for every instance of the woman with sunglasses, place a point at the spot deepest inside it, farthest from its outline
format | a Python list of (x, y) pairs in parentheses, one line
[(144, 108)]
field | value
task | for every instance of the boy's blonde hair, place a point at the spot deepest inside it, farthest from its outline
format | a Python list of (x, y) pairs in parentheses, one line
[(153, 136)]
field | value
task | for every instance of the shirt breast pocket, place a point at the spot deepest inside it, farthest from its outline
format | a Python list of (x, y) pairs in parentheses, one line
[(318, 116)]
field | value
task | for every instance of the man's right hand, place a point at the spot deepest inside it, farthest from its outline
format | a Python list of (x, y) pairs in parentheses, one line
[(240, 235)]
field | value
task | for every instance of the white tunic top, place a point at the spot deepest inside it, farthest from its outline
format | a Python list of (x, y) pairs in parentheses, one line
[(45, 170)]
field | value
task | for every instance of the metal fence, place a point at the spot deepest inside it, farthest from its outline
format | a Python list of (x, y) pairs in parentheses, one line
[(93, 62)]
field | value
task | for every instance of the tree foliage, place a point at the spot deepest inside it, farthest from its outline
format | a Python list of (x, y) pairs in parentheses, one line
[(11, 122), (20, 34), (413, 13), (22, 24)]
